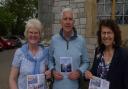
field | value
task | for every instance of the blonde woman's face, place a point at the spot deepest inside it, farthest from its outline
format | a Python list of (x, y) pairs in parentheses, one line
[(33, 36)]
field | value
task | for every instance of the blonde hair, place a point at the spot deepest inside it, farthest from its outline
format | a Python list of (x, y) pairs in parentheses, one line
[(33, 23)]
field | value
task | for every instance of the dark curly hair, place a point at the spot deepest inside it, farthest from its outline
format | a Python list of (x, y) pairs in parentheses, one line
[(115, 29)]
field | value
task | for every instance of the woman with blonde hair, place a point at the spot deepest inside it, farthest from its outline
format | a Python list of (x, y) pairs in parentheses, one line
[(30, 61)]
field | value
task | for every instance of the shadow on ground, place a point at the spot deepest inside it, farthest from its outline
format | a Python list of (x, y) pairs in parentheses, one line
[(5, 65)]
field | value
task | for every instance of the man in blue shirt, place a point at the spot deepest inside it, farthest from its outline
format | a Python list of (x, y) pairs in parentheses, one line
[(68, 48)]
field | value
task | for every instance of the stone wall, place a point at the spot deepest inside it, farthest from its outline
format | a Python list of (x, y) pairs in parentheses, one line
[(45, 15), (91, 45), (78, 7)]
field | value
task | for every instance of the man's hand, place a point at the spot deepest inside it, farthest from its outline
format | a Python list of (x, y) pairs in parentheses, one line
[(57, 75), (74, 75)]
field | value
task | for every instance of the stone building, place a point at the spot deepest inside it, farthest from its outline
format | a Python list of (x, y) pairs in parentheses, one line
[(87, 15)]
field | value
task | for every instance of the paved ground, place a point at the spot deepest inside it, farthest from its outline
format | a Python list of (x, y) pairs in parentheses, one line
[(5, 65)]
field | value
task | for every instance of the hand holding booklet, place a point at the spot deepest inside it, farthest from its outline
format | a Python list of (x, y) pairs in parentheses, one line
[(36, 81), (98, 83)]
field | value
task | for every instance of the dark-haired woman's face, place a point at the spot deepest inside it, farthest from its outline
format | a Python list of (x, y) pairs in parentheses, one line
[(107, 36)]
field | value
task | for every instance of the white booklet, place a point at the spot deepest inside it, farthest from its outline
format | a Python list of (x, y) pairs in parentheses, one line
[(66, 64), (98, 83), (36, 81)]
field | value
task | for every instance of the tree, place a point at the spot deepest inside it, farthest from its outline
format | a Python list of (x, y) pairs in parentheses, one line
[(6, 20), (22, 10)]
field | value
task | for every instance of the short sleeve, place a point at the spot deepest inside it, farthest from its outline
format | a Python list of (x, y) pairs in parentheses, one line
[(17, 58)]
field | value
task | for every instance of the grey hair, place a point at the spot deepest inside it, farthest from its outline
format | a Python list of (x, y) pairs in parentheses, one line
[(33, 23), (66, 10)]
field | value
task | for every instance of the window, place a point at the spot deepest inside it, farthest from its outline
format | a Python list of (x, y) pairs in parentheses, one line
[(104, 10)]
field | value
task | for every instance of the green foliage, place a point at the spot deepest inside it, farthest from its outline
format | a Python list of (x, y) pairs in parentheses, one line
[(23, 9), (6, 20), (14, 13)]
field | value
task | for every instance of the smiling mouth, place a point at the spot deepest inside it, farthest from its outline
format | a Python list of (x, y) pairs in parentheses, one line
[(67, 26)]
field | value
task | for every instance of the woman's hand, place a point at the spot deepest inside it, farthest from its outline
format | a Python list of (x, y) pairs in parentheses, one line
[(48, 74), (88, 75)]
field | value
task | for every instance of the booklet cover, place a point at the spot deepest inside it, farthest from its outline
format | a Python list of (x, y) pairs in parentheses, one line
[(66, 64), (98, 83), (36, 81)]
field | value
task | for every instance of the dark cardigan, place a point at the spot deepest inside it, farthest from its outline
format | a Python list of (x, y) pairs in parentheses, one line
[(116, 70)]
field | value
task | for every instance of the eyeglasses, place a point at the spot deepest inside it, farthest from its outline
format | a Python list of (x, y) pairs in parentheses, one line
[(106, 33)]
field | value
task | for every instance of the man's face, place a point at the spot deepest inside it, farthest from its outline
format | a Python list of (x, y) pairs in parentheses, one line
[(67, 21)]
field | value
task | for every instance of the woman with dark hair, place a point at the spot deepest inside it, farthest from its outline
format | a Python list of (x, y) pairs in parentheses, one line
[(109, 60)]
